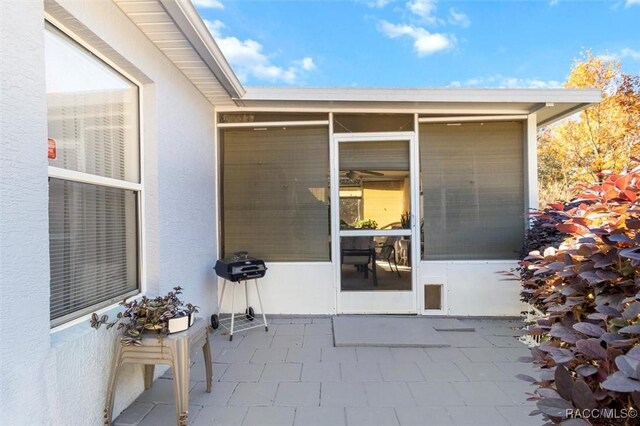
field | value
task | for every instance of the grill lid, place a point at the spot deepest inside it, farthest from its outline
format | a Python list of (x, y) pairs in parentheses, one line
[(240, 267)]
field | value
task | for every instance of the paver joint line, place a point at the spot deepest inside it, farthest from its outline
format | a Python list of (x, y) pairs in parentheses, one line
[(296, 375), (386, 332)]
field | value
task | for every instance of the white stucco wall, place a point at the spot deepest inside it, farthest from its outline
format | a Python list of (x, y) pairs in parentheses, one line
[(60, 378), (25, 356), (473, 288), (288, 288)]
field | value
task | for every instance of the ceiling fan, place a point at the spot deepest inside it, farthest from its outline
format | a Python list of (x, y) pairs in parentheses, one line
[(355, 174)]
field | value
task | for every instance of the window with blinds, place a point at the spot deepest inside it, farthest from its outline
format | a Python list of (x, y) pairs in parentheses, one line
[(92, 245), (275, 199), (473, 190), (94, 181)]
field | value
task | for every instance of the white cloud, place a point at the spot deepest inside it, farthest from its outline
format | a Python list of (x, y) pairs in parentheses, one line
[(424, 42), (249, 60), (379, 3), (214, 27), (553, 2), (208, 4), (458, 18), (423, 8), (608, 57), (623, 53), (307, 64), (630, 53), (500, 81), (631, 3)]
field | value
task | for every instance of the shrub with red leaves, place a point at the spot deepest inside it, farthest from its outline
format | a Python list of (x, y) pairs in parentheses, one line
[(589, 290), (541, 235)]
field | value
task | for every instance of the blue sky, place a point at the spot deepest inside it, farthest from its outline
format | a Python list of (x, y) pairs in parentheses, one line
[(419, 43)]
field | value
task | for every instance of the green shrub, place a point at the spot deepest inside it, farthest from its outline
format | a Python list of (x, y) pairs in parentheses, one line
[(589, 290)]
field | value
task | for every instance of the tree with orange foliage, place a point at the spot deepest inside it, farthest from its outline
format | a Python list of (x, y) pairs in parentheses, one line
[(601, 138)]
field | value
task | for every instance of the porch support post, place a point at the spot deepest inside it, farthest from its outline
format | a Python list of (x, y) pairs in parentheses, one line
[(531, 163), (334, 191)]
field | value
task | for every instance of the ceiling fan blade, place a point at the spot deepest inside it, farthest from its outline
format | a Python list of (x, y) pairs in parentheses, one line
[(355, 174)]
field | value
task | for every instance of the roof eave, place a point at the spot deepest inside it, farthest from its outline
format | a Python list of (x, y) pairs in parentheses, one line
[(187, 18), (350, 94)]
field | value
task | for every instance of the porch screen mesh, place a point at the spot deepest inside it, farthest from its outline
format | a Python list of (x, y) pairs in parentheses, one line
[(473, 190), (349, 123), (275, 193), (384, 155)]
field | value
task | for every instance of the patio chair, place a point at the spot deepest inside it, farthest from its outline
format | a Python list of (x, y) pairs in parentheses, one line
[(359, 251), (387, 251), (403, 252)]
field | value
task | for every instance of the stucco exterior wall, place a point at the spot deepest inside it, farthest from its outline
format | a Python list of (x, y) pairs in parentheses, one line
[(60, 378), (473, 288), (288, 288), (25, 355)]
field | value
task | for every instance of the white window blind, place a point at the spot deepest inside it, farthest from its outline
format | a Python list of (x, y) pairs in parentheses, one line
[(93, 227), (275, 193), (97, 132), (92, 246), (473, 190), (92, 112)]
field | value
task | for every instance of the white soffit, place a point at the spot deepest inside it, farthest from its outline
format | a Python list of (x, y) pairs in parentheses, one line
[(176, 28), (549, 104)]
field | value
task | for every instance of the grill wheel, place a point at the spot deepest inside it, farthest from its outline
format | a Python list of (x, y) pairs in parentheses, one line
[(215, 322)]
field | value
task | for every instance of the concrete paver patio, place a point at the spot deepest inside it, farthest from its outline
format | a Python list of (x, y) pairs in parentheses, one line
[(293, 375)]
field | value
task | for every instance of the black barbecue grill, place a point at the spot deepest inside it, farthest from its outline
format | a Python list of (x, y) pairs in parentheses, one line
[(238, 269)]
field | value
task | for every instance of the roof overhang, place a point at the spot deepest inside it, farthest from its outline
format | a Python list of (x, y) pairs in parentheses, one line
[(177, 29), (549, 104)]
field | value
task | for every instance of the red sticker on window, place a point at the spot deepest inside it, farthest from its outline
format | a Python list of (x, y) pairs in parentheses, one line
[(52, 149)]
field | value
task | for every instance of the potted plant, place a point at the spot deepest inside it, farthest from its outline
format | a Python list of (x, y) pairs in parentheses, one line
[(405, 220), (161, 315), (366, 224)]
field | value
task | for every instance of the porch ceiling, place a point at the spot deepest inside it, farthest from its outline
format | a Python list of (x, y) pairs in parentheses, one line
[(176, 28)]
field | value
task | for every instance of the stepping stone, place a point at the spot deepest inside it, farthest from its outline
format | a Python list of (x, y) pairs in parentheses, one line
[(449, 324), (375, 331)]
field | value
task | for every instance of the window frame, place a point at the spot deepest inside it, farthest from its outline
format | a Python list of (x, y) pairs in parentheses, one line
[(55, 27)]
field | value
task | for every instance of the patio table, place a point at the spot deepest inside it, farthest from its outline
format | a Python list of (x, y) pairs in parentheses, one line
[(174, 350)]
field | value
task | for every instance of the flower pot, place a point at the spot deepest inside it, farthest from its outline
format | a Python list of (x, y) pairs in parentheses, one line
[(178, 324)]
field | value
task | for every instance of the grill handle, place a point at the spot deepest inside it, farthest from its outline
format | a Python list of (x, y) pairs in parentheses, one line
[(254, 275)]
